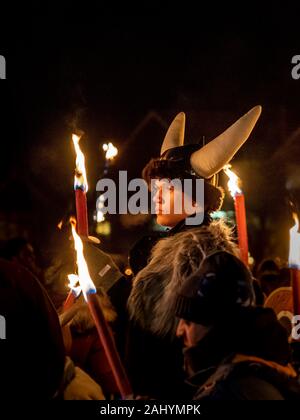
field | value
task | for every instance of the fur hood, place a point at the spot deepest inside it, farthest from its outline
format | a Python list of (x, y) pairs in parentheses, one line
[(172, 261)]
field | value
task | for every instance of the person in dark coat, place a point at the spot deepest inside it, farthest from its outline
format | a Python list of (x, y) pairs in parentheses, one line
[(33, 365), (233, 349), (32, 354), (154, 355)]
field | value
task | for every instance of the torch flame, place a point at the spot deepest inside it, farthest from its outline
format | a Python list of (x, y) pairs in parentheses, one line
[(111, 151), (74, 284), (234, 181), (294, 254), (86, 283), (80, 172)]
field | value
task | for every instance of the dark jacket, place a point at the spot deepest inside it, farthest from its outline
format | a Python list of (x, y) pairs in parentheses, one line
[(245, 378), (32, 355), (247, 358)]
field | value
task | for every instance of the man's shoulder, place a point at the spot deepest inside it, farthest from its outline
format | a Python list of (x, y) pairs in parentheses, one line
[(246, 381), (216, 234)]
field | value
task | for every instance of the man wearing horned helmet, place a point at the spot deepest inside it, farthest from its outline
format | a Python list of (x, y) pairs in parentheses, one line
[(155, 359)]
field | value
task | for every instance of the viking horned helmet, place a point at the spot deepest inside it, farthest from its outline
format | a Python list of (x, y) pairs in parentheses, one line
[(206, 161)]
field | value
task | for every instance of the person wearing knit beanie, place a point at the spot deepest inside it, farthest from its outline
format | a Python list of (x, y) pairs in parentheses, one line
[(233, 349)]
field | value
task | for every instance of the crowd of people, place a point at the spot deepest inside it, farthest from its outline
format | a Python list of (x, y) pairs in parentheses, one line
[(189, 323)]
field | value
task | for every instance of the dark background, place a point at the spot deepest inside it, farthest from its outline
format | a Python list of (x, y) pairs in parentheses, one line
[(122, 76)]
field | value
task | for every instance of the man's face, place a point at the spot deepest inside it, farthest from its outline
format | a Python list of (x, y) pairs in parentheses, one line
[(171, 204), (191, 333)]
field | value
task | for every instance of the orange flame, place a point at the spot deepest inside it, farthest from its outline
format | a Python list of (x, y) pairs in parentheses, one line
[(111, 151), (234, 181), (294, 253), (80, 172), (86, 283), (128, 271)]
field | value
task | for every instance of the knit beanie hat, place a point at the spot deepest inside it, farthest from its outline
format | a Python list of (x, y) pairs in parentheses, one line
[(221, 285)]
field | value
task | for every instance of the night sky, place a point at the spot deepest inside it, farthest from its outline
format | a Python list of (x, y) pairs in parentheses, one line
[(103, 71)]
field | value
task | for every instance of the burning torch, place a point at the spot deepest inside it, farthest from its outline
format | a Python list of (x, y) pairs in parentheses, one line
[(240, 211), (74, 293), (294, 263), (81, 188), (90, 295), (110, 153)]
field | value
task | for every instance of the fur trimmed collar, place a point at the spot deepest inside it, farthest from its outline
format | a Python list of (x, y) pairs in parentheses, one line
[(172, 261)]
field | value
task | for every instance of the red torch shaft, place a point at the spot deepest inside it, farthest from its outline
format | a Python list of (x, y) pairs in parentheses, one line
[(109, 346), (240, 214), (295, 274), (69, 301), (81, 212)]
